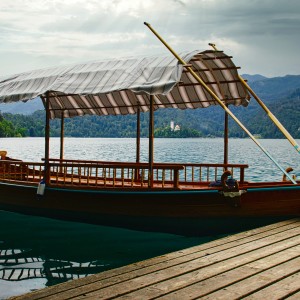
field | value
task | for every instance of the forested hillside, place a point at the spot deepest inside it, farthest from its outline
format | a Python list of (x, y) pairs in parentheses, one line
[(281, 95)]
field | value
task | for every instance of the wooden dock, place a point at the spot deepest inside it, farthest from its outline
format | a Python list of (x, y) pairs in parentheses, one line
[(263, 263)]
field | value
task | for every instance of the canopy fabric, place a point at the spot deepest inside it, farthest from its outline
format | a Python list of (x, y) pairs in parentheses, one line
[(113, 87)]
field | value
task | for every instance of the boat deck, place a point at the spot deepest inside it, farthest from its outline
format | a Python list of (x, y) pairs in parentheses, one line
[(262, 263)]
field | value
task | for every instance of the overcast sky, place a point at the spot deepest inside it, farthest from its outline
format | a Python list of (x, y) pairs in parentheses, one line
[(261, 35)]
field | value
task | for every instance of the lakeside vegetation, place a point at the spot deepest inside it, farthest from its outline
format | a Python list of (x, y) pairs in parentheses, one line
[(17, 125)]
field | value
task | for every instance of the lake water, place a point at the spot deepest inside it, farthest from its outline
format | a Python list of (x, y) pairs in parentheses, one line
[(37, 252)]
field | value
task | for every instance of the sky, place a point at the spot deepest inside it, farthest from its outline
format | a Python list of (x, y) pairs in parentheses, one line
[(261, 35)]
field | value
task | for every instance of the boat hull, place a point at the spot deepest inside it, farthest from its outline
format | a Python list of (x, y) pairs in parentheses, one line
[(197, 212)]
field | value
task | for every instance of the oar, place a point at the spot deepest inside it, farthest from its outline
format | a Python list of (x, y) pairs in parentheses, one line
[(268, 112), (218, 100)]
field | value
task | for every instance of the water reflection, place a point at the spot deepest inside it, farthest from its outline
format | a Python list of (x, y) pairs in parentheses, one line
[(19, 264)]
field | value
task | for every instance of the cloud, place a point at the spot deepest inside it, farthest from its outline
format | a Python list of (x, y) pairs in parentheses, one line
[(262, 35)]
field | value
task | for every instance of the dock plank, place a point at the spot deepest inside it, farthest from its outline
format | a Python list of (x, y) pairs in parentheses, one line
[(279, 289), (177, 275), (252, 284), (197, 284)]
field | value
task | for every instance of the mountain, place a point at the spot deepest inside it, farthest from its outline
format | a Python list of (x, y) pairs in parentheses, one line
[(252, 78), (276, 87), (24, 108)]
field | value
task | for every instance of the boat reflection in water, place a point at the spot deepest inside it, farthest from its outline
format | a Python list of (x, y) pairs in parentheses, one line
[(18, 264)]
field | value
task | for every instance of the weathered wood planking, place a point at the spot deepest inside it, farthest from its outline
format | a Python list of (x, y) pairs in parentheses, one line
[(263, 263)]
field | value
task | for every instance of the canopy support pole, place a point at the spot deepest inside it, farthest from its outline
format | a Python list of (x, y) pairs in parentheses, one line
[(62, 134), (47, 140), (138, 140), (151, 142), (226, 139), (219, 101), (268, 112)]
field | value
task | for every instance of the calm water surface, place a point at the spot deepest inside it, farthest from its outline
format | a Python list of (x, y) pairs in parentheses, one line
[(198, 150), (37, 252)]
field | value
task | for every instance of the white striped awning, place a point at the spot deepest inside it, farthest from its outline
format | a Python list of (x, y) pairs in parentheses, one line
[(120, 86)]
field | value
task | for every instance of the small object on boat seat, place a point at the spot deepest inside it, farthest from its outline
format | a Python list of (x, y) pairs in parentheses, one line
[(41, 188), (231, 189), (288, 170), (3, 154), (229, 185)]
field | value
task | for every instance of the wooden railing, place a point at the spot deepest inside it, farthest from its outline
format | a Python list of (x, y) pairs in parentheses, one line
[(118, 174), (185, 173), (112, 174), (15, 170), (198, 173)]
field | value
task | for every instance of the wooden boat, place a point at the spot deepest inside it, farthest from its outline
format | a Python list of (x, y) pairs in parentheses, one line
[(185, 198)]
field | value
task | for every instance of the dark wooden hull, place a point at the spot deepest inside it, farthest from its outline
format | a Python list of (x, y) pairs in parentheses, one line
[(185, 212)]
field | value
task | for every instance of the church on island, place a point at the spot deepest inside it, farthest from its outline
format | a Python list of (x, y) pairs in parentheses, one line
[(174, 127)]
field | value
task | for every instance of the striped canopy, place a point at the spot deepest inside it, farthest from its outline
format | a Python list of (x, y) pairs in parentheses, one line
[(120, 86)]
